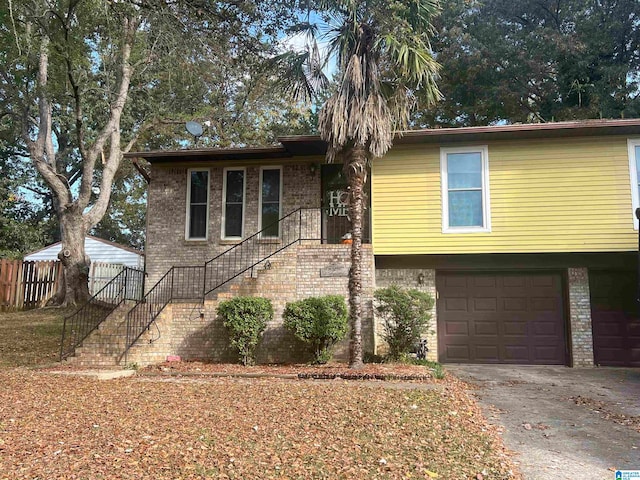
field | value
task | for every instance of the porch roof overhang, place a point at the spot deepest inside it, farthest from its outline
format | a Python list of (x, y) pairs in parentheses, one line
[(312, 145)]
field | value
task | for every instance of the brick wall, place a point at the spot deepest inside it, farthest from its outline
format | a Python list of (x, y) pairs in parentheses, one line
[(166, 245), (580, 317), (192, 330), (408, 278)]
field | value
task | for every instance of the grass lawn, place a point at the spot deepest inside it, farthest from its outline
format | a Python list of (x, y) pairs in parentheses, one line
[(30, 338), (65, 427)]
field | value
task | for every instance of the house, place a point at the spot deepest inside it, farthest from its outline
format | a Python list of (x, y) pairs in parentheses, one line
[(525, 235)]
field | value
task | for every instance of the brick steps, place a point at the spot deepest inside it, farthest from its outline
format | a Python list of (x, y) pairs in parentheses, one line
[(104, 347)]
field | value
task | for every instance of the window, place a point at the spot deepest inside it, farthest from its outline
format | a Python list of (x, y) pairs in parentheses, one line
[(270, 201), (233, 192), (465, 190), (634, 169), (197, 204)]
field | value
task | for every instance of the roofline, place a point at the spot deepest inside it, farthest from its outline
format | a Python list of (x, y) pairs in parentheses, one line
[(243, 153), (570, 126), (117, 245), (108, 242), (308, 145)]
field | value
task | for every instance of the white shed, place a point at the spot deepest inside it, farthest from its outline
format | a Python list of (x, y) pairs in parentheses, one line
[(98, 250)]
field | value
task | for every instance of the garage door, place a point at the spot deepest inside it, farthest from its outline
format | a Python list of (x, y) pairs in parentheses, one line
[(501, 318), (616, 326)]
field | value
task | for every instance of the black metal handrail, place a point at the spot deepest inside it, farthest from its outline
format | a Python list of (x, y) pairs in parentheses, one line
[(179, 283), (127, 285), (299, 225)]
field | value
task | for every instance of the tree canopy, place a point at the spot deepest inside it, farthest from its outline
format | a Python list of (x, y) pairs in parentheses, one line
[(82, 81), (536, 61)]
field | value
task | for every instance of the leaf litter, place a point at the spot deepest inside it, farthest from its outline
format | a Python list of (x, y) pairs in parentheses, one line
[(61, 427)]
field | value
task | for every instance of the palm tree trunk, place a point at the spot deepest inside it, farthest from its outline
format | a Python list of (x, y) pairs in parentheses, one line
[(356, 166)]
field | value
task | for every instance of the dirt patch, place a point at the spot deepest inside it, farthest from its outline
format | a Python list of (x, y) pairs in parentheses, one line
[(371, 371), (512, 383)]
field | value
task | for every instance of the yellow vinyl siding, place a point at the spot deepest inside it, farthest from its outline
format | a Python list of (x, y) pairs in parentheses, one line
[(560, 195)]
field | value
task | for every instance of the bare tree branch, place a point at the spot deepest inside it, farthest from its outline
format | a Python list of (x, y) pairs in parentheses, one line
[(112, 132), (41, 150)]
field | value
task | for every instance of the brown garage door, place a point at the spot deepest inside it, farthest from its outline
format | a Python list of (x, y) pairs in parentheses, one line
[(614, 315), (501, 318)]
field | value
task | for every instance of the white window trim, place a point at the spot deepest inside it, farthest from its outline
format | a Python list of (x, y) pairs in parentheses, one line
[(224, 201), (486, 205), (262, 169), (632, 143), (188, 213)]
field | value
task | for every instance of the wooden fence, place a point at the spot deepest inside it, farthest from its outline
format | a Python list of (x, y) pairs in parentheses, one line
[(25, 285)]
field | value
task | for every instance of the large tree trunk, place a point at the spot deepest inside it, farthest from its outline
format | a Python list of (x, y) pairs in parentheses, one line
[(74, 215), (356, 169), (74, 286)]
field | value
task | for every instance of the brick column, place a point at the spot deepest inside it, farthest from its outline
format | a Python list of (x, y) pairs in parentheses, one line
[(408, 278), (580, 317)]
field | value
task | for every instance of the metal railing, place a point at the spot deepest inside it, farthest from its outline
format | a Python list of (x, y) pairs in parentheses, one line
[(299, 225), (196, 282), (127, 285), (179, 283)]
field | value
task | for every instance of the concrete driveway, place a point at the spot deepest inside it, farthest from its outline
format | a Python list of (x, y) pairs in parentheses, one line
[(562, 422)]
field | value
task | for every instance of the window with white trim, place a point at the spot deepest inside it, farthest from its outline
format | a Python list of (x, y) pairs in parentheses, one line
[(197, 224), (465, 189), (634, 170), (233, 198), (270, 208)]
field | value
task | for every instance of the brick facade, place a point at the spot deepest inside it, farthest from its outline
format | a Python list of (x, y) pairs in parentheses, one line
[(408, 278), (166, 245), (192, 330), (580, 317)]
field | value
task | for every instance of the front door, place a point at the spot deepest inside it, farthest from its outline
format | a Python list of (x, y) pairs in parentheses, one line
[(336, 226)]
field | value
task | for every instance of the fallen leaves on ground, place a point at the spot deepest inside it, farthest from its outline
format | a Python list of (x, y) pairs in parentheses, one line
[(604, 410), (333, 369), (62, 427)]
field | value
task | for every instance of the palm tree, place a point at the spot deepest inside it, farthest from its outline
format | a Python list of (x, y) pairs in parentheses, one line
[(383, 58)]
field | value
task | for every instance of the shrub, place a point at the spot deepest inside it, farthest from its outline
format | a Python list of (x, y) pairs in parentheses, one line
[(246, 319), (320, 322), (406, 316)]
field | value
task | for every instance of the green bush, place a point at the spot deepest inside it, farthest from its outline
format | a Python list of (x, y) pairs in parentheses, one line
[(320, 322), (406, 316), (246, 319)]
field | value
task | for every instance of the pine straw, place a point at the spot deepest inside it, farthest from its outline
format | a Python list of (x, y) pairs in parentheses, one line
[(61, 427)]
